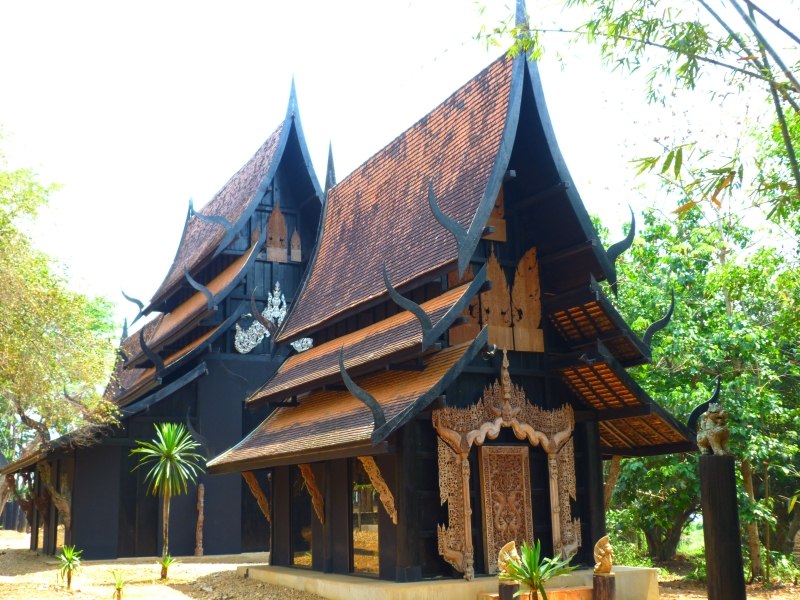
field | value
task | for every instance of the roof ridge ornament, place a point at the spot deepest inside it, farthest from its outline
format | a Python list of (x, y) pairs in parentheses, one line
[(153, 356), (330, 174), (691, 424), (615, 250), (210, 300), (292, 108), (215, 220), (381, 428), (520, 14), (137, 302), (431, 332), (660, 324), (378, 416), (464, 238)]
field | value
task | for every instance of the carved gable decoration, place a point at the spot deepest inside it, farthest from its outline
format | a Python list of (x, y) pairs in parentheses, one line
[(513, 314), (503, 405), (277, 236), (295, 245)]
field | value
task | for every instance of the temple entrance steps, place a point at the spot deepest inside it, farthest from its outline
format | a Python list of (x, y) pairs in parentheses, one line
[(632, 583)]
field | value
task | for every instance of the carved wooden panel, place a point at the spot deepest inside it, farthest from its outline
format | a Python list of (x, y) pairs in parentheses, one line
[(455, 538), (296, 247), (316, 495), (497, 220), (258, 494), (526, 307), (496, 305), (277, 235), (506, 499), (469, 330), (377, 481)]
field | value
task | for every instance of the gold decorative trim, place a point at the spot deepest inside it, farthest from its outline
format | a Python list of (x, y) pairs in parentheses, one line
[(506, 405), (258, 494), (455, 538), (316, 496), (376, 479)]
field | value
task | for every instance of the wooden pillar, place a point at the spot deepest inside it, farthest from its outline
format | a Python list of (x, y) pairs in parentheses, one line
[(603, 586), (280, 546), (724, 572), (594, 483)]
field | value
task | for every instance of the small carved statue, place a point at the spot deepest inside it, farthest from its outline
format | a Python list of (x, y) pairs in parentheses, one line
[(604, 556), (713, 433), (507, 553)]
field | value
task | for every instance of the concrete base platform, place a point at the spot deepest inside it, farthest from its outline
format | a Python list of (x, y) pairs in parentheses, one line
[(633, 583)]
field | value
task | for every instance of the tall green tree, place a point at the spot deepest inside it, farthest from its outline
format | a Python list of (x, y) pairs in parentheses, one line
[(56, 347), (737, 319), (172, 464), (735, 51)]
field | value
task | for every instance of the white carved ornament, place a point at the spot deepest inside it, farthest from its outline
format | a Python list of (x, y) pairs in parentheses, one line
[(275, 310)]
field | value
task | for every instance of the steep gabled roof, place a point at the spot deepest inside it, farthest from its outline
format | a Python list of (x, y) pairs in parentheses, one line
[(381, 213), (234, 203)]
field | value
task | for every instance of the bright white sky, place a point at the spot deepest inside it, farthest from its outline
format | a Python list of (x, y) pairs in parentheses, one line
[(136, 107)]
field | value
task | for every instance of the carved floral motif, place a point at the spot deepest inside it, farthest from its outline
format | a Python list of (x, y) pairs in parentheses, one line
[(316, 496), (506, 494), (377, 481)]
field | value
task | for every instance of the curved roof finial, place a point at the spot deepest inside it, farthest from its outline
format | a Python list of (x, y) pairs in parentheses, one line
[(647, 339), (614, 251), (291, 110), (521, 14), (330, 175)]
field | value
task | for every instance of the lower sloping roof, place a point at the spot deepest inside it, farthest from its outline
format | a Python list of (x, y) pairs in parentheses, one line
[(631, 423), (388, 339), (329, 421)]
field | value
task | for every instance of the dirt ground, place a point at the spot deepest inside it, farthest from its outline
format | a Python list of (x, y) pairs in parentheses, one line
[(27, 576)]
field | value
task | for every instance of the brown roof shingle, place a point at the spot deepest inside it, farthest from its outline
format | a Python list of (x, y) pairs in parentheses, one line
[(201, 238), (329, 419), (380, 212), (381, 340)]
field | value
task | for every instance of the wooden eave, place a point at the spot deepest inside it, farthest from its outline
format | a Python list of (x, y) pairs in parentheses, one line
[(585, 315), (332, 420), (22, 464), (236, 202), (561, 190), (180, 321), (380, 213), (631, 423), (394, 339)]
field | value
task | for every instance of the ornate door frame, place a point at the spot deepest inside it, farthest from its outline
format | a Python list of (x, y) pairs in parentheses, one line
[(459, 429)]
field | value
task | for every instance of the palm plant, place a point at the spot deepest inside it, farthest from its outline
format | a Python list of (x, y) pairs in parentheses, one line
[(119, 583), (532, 570), (70, 562), (173, 464)]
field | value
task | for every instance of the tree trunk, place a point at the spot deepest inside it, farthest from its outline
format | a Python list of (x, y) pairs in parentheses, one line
[(611, 482), (663, 543), (165, 526), (753, 542), (69, 580), (198, 537)]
